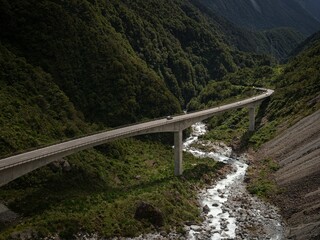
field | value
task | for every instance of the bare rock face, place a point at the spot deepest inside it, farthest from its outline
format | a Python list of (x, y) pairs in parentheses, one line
[(150, 213), (60, 164), (66, 166), (6, 215)]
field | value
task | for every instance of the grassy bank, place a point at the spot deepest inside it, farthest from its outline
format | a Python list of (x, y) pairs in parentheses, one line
[(260, 180), (101, 190)]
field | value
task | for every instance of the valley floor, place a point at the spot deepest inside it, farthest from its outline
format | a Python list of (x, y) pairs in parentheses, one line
[(297, 150)]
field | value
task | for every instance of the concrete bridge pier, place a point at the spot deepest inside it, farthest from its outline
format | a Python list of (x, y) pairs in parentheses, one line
[(178, 153), (251, 119), (19, 165)]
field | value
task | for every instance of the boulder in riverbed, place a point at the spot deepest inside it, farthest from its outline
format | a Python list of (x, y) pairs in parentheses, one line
[(150, 213), (206, 209)]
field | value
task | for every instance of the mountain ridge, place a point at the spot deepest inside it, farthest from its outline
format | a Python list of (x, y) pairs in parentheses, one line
[(266, 14), (312, 6), (278, 42), (148, 53), (70, 68)]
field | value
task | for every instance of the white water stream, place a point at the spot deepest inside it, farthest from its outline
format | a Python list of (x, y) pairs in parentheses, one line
[(230, 212), (218, 222)]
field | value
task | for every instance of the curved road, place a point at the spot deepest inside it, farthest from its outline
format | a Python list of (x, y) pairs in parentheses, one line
[(18, 165)]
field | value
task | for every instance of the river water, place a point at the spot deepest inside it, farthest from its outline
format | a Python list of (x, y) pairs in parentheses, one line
[(218, 222), (229, 211)]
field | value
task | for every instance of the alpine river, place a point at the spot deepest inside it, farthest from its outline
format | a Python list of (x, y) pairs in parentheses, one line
[(229, 211), (218, 222)]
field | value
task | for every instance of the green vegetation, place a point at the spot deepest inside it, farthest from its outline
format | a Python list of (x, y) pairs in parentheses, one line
[(92, 63), (73, 67), (231, 127), (296, 87), (69, 68), (122, 61), (100, 192), (34, 111), (278, 41), (218, 93), (297, 94), (281, 41), (260, 178)]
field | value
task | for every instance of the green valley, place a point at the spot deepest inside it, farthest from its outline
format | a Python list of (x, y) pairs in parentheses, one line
[(76, 67)]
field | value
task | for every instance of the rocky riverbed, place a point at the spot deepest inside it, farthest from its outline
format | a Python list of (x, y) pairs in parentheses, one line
[(228, 210)]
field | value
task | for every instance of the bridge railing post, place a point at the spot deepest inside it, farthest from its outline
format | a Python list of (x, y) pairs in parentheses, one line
[(251, 119), (178, 153)]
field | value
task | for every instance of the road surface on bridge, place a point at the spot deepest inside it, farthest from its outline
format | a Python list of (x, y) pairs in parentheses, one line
[(174, 124)]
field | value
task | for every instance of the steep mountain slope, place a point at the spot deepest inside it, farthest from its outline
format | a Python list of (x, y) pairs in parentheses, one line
[(34, 110), (286, 169), (95, 190), (266, 14), (311, 6), (292, 117), (176, 41), (68, 67), (297, 151), (155, 58), (310, 42), (73, 67), (87, 58), (296, 95), (278, 42)]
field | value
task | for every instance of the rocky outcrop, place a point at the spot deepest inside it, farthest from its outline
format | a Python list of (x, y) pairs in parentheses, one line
[(60, 164), (6, 215)]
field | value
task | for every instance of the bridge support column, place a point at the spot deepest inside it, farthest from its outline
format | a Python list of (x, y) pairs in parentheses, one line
[(178, 153), (251, 119)]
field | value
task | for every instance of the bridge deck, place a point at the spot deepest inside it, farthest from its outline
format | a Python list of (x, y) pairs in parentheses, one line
[(177, 123)]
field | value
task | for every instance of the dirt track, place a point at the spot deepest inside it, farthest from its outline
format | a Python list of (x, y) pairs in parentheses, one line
[(297, 150)]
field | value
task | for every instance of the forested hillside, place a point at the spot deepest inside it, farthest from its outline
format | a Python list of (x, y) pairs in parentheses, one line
[(74, 67), (34, 111), (278, 42), (285, 171), (69, 68), (267, 14), (156, 56), (296, 95), (125, 61), (86, 58), (297, 92), (293, 183), (298, 85)]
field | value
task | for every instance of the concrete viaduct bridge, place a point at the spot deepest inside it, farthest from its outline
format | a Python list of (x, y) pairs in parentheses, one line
[(18, 165)]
